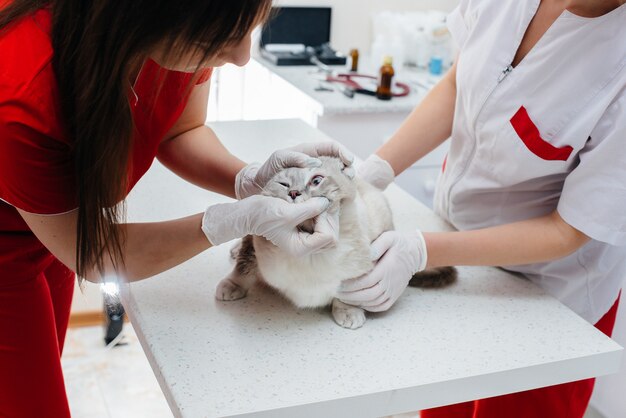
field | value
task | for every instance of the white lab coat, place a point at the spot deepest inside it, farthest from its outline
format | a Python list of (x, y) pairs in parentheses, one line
[(548, 134)]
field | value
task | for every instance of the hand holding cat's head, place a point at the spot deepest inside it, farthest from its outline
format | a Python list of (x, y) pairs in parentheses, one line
[(331, 180)]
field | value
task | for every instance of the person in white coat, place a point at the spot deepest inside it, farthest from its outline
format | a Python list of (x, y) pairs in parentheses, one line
[(535, 179)]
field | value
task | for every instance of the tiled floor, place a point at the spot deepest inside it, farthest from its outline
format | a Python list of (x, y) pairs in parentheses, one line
[(118, 382), (110, 383)]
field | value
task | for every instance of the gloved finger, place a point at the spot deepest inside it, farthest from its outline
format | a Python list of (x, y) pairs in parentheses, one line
[(381, 245), (382, 307), (325, 233), (287, 158), (305, 243), (359, 283), (328, 224), (364, 295), (383, 297), (350, 172), (326, 149), (300, 212), (282, 159)]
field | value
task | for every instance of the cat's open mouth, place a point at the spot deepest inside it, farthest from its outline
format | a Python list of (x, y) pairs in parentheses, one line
[(308, 226)]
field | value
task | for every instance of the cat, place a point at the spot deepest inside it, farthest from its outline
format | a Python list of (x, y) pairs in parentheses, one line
[(313, 281)]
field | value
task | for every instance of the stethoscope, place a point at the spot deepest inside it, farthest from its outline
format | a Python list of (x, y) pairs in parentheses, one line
[(350, 86)]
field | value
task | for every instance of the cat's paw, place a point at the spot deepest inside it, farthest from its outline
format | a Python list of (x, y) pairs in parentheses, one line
[(348, 316), (228, 290)]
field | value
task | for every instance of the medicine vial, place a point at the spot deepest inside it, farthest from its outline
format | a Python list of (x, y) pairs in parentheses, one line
[(383, 92), (354, 55)]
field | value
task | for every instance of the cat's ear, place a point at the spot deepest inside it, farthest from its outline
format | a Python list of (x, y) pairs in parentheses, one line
[(349, 172)]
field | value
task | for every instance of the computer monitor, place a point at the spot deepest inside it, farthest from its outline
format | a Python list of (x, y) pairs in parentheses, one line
[(298, 25)]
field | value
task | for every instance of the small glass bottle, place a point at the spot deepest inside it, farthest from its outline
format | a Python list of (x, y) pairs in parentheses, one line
[(354, 55), (383, 92)]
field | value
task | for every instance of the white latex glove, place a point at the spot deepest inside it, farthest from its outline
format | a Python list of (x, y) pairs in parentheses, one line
[(274, 219), (376, 172), (398, 257), (253, 178)]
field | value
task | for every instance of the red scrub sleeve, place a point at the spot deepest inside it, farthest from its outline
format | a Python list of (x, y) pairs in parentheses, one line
[(204, 76), (36, 168)]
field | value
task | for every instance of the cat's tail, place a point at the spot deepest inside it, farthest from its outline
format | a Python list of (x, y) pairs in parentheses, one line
[(434, 278)]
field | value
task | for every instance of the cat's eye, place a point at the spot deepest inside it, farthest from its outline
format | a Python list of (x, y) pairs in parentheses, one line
[(283, 184), (315, 181)]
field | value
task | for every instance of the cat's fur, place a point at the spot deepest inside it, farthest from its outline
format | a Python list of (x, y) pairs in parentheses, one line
[(313, 281)]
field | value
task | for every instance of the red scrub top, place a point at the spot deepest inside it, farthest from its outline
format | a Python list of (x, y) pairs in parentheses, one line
[(36, 167)]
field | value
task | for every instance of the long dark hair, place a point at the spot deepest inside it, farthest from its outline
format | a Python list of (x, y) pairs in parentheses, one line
[(97, 44)]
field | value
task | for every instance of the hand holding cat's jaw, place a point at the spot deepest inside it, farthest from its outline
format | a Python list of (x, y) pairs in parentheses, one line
[(272, 218), (286, 236), (327, 225), (325, 233)]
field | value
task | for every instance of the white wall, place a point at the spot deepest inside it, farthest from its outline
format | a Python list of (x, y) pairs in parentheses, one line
[(351, 19), (89, 300)]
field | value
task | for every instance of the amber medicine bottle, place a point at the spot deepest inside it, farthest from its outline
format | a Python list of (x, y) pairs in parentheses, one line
[(354, 55), (383, 92)]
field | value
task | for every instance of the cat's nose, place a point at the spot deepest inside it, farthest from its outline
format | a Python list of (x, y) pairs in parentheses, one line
[(294, 194)]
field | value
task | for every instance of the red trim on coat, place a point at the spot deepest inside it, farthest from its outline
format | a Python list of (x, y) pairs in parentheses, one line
[(529, 134)]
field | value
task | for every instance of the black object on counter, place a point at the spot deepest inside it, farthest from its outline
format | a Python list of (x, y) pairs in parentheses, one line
[(308, 26)]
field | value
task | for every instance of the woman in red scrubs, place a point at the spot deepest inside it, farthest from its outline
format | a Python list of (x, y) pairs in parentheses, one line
[(90, 93)]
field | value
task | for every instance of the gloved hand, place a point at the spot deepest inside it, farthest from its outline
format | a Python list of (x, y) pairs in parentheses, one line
[(253, 178), (376, 172), (398, 257), (274, 219)]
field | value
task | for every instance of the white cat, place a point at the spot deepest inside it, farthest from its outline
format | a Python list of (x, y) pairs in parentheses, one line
[(313, 281)]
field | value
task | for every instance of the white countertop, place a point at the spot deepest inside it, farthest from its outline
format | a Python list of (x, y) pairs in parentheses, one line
[(491, 333), (306, 79)]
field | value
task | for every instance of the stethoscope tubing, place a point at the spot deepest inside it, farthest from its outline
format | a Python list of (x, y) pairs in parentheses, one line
[(347, 79)]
